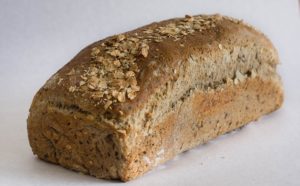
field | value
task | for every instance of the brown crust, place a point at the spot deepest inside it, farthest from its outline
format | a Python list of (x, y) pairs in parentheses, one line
[(80, 144), (166, 53), (68, 128), (203, 116)]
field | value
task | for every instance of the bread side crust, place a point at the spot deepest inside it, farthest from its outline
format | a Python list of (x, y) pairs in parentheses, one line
[(74, 139), (82, 145), (202, 116)]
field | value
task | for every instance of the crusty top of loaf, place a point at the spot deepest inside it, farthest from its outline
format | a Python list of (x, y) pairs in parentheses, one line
[(115, 76)]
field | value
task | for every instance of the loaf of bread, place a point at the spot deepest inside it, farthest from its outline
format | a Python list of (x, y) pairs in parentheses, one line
[(132, 101)]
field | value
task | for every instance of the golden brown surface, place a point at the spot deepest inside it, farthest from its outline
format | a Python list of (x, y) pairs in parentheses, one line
[(162, 55), (202, 117), (114, 112)]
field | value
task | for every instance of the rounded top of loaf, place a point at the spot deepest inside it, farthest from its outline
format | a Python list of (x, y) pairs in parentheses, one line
[(115, 76)]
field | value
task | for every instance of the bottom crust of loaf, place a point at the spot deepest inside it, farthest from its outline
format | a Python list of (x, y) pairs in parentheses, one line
[(67, 136)]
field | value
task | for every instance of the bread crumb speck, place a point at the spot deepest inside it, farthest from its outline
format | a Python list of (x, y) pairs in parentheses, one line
[(107, 104), (121, 37), (253, 73), (71, 72), (220, 46), (72, 88), (121, 97), (68, 147), (82, 83), (59, 81), (145, 49)]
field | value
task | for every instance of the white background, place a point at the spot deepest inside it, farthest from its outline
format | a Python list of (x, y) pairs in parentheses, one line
[(39, 37)]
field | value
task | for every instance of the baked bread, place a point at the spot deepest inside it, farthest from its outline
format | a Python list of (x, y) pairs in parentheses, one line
[(132, 101)]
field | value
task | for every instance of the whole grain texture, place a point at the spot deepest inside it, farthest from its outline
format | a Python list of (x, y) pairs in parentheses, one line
[(131, 101)]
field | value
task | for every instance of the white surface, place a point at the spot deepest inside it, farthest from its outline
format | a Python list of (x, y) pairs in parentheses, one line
[(38, 37)]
